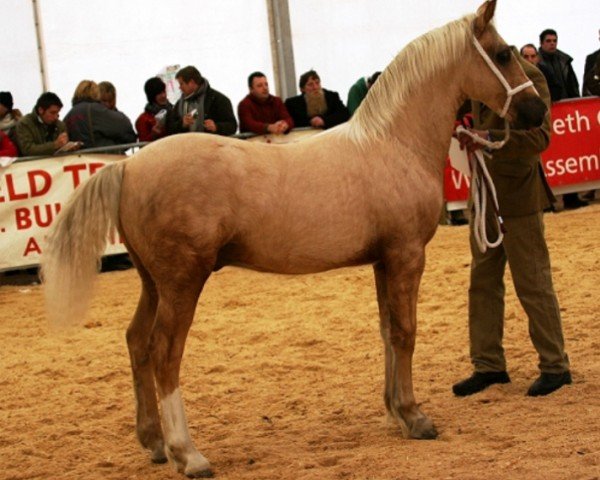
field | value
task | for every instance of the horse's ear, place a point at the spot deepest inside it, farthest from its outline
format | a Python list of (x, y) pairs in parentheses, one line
[(484, 14)]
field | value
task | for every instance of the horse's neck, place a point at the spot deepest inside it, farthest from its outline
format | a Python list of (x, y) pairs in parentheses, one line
[(427, 122)]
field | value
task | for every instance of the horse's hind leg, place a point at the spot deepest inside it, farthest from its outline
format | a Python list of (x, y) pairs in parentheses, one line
[(148, 427), (397, 289), (175, 312)]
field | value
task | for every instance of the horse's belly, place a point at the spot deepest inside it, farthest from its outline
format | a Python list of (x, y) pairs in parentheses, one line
[(295, 258)]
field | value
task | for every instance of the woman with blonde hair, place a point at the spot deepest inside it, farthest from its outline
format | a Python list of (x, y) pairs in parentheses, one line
[(91, 122)]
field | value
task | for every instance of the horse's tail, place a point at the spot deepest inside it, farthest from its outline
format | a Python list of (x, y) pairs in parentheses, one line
[(75, 244)]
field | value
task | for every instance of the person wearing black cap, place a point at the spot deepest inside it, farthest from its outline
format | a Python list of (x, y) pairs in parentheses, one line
[(150, 125), (9, 116)]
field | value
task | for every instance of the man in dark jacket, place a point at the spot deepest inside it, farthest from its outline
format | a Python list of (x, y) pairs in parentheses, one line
[(560, 64), (522, 195), (316, 107), (530, 53), (200, 108), (591, 74)]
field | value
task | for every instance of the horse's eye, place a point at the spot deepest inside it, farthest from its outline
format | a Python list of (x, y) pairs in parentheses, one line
[(503, 57)]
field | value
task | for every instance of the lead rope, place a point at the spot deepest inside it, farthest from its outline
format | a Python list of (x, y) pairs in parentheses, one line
[(482, 186), (481, 181)]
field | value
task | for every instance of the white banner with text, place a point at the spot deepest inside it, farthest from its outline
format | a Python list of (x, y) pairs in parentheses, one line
[(31, 195)]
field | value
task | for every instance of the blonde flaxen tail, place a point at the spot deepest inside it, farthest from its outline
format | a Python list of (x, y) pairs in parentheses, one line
[(75, 244)]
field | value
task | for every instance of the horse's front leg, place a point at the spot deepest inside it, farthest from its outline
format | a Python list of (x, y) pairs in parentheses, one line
[(174, 317), (397, 288)]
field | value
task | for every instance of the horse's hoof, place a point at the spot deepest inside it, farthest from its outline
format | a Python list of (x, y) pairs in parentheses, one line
[(157, 454), (208, 473), (198, 467), (423, 429), (158, 458)]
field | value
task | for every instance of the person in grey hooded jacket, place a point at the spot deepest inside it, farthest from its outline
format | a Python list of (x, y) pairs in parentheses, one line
[(92, 123)]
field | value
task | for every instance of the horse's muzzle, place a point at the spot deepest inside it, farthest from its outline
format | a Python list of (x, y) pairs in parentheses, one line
[(530, 112)]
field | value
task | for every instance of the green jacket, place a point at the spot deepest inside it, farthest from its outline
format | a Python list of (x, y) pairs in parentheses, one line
[(357, 94), (516, 168), (37, 138)]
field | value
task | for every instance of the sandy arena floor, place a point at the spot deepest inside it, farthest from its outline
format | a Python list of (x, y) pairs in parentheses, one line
[(283, 378)]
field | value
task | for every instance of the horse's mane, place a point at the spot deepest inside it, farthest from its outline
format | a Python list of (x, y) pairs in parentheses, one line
[(414, 65)]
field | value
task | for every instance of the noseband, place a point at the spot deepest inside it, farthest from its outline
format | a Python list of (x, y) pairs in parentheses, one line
[(510, 92)]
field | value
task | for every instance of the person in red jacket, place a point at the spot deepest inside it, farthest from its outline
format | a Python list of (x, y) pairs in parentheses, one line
[(150, 125), (260, 112), (7, 147)]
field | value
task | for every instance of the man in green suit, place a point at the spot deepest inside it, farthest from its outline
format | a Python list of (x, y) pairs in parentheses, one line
[(523, 194)]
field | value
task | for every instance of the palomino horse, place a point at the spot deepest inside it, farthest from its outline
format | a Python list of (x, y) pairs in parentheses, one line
[(367, 192)]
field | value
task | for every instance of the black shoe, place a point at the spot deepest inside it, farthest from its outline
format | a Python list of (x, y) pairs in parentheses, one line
[(479, 381), (549, 382), (457, 217), (572, 203)]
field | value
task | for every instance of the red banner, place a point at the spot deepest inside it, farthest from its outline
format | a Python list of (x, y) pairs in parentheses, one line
[(571, 162)]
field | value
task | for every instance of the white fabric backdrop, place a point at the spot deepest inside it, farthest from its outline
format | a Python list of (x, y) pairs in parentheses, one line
[(126, 42)]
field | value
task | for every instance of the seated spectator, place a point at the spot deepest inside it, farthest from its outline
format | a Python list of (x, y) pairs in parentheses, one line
[(92, 123), (9, 116), (7, 147), (41, 132), (151, 124), (108, 95), (359, 91), (316, 107), (200, 108), (260, 112)]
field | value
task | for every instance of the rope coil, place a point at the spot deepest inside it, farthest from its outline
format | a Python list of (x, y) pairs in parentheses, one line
[(482, 186)]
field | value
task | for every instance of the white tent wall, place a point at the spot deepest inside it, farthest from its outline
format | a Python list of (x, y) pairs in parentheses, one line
[(128, 41), (346, 40), (19, 63)]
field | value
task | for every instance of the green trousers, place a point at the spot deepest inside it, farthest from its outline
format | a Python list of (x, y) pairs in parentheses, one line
[(524, 247)]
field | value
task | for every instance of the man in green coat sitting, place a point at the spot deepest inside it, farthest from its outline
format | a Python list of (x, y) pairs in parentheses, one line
[(523, 194), (41, 132)]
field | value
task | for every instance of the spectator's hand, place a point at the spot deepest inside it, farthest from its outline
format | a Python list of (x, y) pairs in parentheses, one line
[(187, 120), (283, 126), (210, 125), (278, 127), (61, 140), (17, 113), (157, 130), (467, 142), (317, 122)]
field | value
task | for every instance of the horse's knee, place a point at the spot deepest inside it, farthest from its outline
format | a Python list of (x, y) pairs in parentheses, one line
[(403, 337)]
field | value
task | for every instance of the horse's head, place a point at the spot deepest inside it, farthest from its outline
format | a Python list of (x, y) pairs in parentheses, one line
[(497, 79)]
